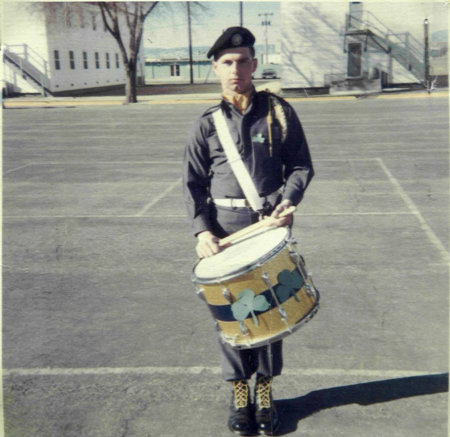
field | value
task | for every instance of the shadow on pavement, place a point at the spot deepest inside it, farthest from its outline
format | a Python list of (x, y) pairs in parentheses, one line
[(293, 410)]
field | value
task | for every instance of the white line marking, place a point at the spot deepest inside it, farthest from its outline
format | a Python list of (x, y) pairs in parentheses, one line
[(180, 216), (158, 198), (15, 169), (196, 370), (106, 162), (413, 208), (344, 159)]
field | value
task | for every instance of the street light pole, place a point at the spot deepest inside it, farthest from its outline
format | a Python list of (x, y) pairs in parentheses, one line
[(426, 56), (191, 72), (266, 23)]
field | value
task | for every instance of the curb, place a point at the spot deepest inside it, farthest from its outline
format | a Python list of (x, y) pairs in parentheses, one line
[(168, 99)]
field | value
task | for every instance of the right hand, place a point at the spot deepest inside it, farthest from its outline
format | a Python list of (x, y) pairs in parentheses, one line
[(207, 244)]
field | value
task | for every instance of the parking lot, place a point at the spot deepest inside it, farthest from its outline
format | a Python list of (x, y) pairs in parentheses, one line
[(103, 334)]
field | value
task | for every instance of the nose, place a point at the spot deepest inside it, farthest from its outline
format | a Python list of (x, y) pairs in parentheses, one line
[(234, 67)]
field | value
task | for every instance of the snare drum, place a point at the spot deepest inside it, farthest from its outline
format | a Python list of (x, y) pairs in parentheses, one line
[(258, 289)]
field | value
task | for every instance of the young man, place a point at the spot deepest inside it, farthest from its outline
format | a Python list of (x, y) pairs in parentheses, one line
[(270, 140)]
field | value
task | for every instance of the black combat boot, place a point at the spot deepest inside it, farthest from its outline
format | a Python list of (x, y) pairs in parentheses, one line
[(266, 415), (240, 421)]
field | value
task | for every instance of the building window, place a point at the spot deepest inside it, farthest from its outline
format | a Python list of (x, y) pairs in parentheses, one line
[(175, 70), (107, 60), (72, 59), (85, 60), (57, 63), (117, 61), (94, 22), (97, 61)]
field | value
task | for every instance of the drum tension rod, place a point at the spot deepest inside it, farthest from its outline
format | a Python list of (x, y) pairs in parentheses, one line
[(281, 310), (300, 263), (226, 293)]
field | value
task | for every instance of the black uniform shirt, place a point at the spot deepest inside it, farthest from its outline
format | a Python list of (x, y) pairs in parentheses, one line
[(207, 174)]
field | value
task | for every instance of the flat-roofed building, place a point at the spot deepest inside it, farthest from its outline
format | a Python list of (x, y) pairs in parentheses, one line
[(51, 48)]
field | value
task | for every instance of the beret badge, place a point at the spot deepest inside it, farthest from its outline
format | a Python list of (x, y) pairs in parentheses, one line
[(236, 39)]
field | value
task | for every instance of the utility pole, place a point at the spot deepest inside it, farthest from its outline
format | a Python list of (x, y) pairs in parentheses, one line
[(241, 15), (266, 23), (426, 56), (191, 71)]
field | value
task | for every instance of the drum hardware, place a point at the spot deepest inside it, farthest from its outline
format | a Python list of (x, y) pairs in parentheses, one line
[(201, 293), (300, 263), (281, 310), (226, 293), (243, 328)]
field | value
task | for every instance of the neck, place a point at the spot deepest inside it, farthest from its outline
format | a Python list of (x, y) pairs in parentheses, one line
[(240, 100)]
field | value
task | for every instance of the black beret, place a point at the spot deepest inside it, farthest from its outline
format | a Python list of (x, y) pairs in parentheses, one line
[(231, 38)]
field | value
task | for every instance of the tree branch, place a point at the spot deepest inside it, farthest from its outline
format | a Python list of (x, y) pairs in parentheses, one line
[(145, 14)]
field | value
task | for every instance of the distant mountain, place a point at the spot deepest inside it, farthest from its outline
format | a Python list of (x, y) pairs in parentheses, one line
[(198, 52)]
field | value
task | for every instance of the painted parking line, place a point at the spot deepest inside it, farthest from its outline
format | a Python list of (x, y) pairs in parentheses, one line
[(16, 169), (197, 370), (414, 210), (158, 198)]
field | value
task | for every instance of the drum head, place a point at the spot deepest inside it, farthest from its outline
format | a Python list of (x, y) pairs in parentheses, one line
[(242, 255)]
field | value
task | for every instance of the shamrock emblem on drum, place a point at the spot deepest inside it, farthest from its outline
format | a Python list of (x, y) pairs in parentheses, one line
[(247, 303), (289, 283)]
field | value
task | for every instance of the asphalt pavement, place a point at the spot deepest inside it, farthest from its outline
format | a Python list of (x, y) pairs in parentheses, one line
[(103, 334)]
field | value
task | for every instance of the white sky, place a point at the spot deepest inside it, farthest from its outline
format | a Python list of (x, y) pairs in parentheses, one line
[(167, 27)]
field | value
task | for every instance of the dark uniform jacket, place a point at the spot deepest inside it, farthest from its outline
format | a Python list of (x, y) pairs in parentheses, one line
[(281, 164)]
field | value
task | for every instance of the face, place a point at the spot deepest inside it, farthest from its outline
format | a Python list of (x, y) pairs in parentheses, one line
[(235, 68)]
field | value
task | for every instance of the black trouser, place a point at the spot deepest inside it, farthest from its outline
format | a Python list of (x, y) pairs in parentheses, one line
[(243, 363)]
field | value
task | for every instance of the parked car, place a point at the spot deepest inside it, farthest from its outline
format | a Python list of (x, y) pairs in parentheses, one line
[(269, 73)]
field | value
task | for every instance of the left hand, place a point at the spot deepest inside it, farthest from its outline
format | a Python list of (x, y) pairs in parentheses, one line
[(274, 219)]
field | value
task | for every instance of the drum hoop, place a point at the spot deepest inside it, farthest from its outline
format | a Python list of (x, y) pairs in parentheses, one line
[(244, 269)]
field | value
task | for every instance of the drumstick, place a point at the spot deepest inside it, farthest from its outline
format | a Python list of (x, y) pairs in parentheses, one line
[(253, 227)]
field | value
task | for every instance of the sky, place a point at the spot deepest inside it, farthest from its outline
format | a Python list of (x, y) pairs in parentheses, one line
[(167, 27)]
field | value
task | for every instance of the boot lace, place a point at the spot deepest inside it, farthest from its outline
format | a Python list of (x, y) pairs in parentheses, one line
[(263, 392), (240, 393)]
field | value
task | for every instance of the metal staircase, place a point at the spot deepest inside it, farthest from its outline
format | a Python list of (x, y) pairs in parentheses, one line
[(402, 47), (31, 66)]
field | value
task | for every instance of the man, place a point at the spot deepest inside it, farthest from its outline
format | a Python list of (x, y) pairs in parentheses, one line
[(271, 143)]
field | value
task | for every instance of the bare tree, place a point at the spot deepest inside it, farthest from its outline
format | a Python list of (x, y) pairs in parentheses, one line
[(115, 16)]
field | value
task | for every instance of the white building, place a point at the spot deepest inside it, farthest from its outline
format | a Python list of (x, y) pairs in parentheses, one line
[(324, 44), (58, 49)]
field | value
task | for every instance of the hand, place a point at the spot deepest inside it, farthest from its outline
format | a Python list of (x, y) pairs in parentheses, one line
[(207, 244), (275, 220)]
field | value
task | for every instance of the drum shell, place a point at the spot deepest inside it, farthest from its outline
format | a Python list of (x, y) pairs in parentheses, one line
[(271, 325)]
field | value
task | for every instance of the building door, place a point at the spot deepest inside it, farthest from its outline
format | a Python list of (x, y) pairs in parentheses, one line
[(354, 60)]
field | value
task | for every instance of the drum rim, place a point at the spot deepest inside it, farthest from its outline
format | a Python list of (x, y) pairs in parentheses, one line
[(246, 268)]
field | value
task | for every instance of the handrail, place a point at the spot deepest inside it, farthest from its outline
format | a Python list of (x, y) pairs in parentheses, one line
[(401, 45), (30, 55), (36, 75)]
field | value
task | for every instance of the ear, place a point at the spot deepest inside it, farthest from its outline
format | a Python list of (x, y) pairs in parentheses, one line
[(214, 66), (255, 65)]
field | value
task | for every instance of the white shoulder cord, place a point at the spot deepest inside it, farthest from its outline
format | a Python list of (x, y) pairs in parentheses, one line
[(235, 161)]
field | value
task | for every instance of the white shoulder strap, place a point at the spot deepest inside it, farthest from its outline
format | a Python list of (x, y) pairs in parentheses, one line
[(235, 161)]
